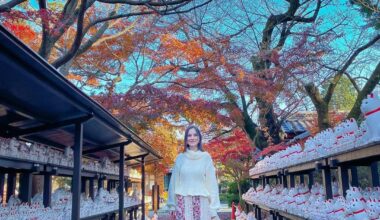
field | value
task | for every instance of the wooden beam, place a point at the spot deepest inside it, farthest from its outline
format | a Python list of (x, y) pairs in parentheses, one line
[(52, 125), (101, 148)]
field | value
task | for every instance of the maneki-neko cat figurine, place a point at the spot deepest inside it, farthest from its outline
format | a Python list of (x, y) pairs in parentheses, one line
[(370, 107)]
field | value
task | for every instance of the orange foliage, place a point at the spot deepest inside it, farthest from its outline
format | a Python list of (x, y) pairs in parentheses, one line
[(92, 81), (22, 31), (72, 76), (174, 48)]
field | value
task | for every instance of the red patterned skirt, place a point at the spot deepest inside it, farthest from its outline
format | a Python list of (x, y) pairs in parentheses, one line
[(192, 208)]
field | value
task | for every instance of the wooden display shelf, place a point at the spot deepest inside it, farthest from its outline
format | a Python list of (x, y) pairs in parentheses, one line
[(289, 216), (266, 208), (68, 171), (311, 165), (266, 174), (345, 162), (105, 214), (277, 213), (363, 155), (12, 163), (20, 164)]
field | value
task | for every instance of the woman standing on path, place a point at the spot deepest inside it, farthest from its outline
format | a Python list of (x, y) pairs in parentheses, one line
[(193, 189)]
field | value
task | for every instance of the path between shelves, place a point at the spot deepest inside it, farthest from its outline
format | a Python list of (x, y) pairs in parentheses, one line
[(224, 213)]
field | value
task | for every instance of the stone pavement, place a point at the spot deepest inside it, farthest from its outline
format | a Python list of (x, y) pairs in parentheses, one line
[(224, 213)]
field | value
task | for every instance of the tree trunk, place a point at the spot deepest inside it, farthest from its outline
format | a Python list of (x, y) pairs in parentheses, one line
[(239, 190), (367, 89), (249, 126), (321, 106), (268, 118), (323, 116)]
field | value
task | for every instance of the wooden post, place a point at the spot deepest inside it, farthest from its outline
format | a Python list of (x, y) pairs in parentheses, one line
[(158, 196), (100, 183), (344, 181), (143, 187), (326, 175), (47, 190), (91, 187), (354, 176), (311, 179), (2, 181), (302, 179), (375, 174), (154, 198), (78, 144), (292, 180), (121, 183), (25, 187), (83, 185), (285, 181), (11, 185)]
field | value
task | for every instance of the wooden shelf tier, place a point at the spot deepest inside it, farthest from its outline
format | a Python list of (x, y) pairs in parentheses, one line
[(344, 163)]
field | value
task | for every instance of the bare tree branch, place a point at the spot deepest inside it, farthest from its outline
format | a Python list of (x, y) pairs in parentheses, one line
[(78, 38), (8, 6), (145, 2), (337, 77)]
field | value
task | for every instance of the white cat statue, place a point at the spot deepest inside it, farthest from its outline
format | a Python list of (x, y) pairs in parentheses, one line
[(335, 189), (353, 193), (351, 131), (375, 193), (348, 211), (373, 204), (242, 216), (251, 216), (329, 208), (367, 193), (14, 201), (283, 203), (339, 208), (358, 210), (370, 107), (373, 214), (362, 135)]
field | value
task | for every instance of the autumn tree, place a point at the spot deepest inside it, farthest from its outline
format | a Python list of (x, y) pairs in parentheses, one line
[(349, 64), (69, 29), (233, 153), (88, 40), (370, 9), (212, 64)]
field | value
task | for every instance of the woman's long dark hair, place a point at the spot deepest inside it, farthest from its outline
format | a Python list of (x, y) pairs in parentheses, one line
[(199, 135)]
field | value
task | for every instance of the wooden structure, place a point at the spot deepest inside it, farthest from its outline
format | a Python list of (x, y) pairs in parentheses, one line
[(345, 163), (39, 105)]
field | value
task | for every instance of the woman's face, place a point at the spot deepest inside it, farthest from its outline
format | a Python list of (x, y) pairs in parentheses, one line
[(192, 138)]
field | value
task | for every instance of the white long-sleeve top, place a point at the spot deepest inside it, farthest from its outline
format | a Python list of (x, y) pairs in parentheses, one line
[(194, 175)]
